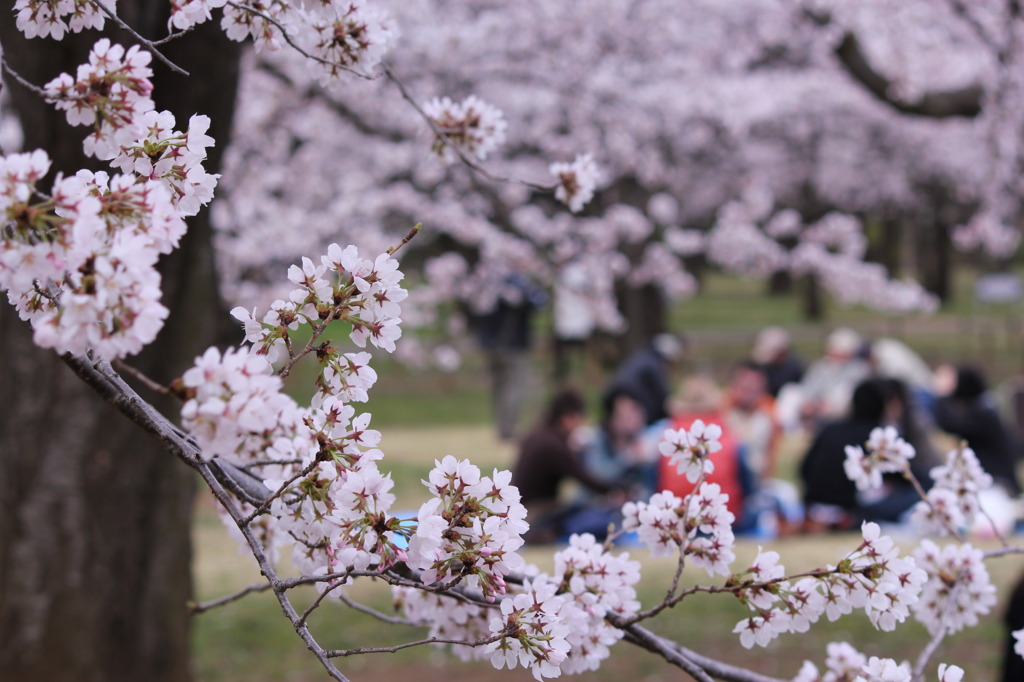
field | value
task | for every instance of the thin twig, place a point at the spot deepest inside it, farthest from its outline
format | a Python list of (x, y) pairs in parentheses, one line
[(227, 599), (447, 141), (1002, 551), (933, 644), (336, 653), (18, 77), (265, 504), (363, 608), (145, 41), (919, 489), (138, 375), (318, 601), (318, 331), (392, 250)]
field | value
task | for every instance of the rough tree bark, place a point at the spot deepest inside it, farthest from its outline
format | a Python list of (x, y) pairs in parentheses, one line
[(94, 518)]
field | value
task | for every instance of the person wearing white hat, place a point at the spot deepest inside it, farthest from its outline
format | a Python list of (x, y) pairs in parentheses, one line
[(829, 382)]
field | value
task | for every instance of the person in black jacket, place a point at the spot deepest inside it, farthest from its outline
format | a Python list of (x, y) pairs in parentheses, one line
[(968, 413), (831, 499), (1013, 620)]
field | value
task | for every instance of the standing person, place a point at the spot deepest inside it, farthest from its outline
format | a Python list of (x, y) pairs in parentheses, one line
[(547, 457), (505, 334), (965, 409), (646, 375), (572, 318)]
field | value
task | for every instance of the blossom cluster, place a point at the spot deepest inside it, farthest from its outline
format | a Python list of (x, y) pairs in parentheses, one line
[(576, 181), (42, 18), (548, 623), (952, 502), (958, 589), (472, 125), (594, 583), (873, 578), (365, 294), (347, 35), (470, 528), (320, 462), (531, 630), (111, 92), (886, 453), (699, 525), (843, 662), (337, 35), (80, 263)]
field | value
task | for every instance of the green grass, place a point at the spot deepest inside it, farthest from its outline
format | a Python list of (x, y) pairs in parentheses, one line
[(251, 640), (425, 415)]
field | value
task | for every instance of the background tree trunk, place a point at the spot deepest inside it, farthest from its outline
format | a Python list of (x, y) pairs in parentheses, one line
[(95, 554)]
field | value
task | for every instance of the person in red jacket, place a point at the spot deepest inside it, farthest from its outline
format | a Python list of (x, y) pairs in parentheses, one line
[(699, 398)]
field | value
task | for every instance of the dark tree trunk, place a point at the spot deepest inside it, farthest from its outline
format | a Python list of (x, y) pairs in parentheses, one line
[(934, 255), (814, 306), (95, 554), (780, 283), (645, 313)]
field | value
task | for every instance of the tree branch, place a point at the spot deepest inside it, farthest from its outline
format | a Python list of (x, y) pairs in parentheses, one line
[(699, 666), (964, 102)]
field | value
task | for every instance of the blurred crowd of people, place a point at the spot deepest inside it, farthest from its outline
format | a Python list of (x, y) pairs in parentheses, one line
[(831, 403)]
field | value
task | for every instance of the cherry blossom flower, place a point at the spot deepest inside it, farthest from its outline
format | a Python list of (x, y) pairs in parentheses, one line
[(187, 13), (576, 181), (472, 125), (958, 589), (111, 92), (886, 453), (532, 631), (950, 673), (689, 451), (883, 670), (45, 18)]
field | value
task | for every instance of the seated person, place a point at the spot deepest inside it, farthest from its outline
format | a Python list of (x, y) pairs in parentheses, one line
[(829, 382), (547, 457), (619, 449), (699, 398), (965, 409), (749, 412), (831, 499)]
